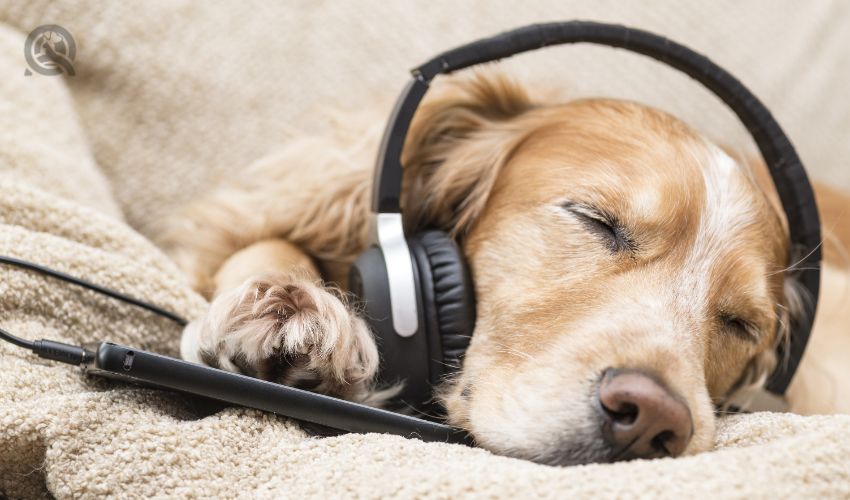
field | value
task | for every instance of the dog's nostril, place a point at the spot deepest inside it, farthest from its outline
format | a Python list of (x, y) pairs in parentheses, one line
[(625, 414), (661, 442)]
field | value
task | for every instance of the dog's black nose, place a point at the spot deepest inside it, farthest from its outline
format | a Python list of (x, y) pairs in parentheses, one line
[(641, 418)]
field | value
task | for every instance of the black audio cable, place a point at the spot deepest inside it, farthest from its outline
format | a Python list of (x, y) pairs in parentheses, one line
[(66, 353), (12, 261), (50, 349)]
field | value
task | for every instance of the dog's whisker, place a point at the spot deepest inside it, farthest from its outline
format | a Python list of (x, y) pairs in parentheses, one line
[(791, 270), (805, 257)]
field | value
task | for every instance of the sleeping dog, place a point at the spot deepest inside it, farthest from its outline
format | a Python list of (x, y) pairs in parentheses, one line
[(630, 275)]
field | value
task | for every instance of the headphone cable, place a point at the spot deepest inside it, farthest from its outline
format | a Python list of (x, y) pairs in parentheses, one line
[(67, 353), (8, 337), (12, 261)]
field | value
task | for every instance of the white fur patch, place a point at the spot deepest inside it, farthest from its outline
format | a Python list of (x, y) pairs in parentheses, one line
[(727, 206)]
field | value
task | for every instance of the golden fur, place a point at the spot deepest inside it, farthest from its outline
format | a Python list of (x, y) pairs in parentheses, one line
[(599, 234)]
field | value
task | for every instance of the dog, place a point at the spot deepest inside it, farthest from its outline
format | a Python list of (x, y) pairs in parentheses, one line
[(631, 276)]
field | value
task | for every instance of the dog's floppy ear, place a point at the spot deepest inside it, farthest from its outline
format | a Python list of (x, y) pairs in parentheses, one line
[(459, 140)]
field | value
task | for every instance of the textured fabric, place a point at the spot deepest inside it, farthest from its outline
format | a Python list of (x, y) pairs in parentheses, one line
[(171, 95)]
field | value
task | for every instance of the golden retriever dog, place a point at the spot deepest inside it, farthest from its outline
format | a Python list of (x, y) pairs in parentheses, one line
[(631, 277)]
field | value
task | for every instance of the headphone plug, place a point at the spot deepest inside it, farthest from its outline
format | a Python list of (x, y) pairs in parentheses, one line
[(65, 353)]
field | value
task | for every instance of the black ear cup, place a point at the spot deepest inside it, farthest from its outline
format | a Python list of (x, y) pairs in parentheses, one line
[(448, 300), (403, 359), (446, 305)]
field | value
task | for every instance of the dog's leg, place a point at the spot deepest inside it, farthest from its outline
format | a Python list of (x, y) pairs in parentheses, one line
[(272, 318), (272, 255), (320, 206)]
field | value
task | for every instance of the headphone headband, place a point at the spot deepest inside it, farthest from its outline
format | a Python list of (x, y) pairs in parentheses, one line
[(786, 169)]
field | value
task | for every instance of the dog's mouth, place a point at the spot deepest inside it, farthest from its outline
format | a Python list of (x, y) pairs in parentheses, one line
[(624, 414), (570, 449), (566, 451), (527, 434), (585, 451)]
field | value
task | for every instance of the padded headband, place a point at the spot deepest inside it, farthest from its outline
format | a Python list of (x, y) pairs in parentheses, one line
[(785, 166)]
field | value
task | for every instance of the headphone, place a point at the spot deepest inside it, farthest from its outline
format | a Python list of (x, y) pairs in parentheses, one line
[(416, 289)]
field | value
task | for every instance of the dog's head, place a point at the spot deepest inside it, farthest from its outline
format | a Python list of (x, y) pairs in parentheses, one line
[(628, 272)]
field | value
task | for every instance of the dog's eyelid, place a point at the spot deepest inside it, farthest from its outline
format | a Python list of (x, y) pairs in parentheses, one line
[(586, 210), (591, 213), (739, 326), (601, 222)]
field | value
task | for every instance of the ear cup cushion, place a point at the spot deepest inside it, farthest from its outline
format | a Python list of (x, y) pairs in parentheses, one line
[(450, 299)]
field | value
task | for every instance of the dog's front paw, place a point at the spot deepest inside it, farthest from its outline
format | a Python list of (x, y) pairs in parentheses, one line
[(289, 330)]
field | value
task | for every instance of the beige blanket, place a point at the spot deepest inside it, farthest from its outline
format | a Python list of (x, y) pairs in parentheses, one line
[(169, 96)]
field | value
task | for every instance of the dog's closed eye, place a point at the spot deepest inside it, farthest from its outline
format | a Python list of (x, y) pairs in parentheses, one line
[(739, 327), (603, 225)]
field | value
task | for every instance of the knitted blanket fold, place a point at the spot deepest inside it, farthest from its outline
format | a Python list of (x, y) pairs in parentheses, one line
[(167, 97)]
